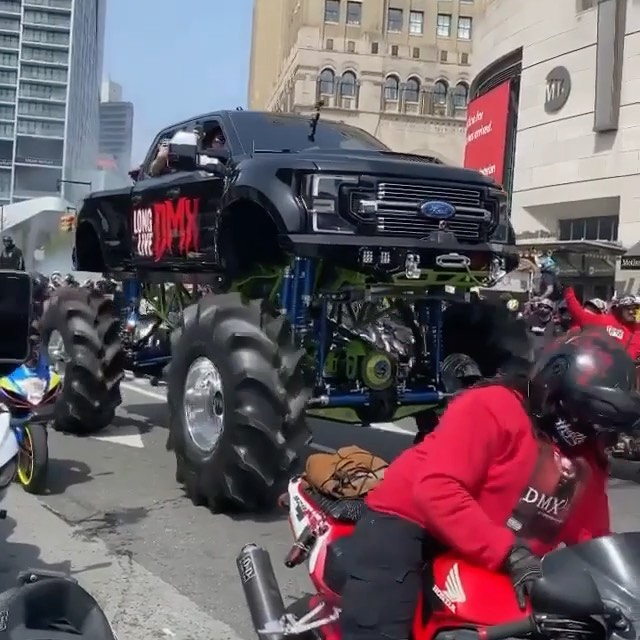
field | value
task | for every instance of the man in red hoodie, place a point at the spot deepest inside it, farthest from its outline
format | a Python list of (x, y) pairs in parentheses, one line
[(515, 467), (620, 323)]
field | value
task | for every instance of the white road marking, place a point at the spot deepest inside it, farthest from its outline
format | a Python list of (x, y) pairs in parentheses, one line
[(143, 391), (127, 436), (392, 427), (140, 388)]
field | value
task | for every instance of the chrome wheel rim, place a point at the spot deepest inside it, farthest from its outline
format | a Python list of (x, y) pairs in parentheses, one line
[(204, 404)]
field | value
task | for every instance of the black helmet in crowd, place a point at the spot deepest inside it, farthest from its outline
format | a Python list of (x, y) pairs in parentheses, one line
[(7, 241), (582, 386)]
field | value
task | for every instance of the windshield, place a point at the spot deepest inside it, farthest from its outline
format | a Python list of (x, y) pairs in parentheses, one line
[(614, 563), (276, 132)]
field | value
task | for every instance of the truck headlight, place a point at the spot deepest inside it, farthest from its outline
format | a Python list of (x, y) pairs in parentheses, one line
[(321, 195)]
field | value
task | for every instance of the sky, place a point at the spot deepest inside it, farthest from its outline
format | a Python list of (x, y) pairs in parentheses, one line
[(176, 59)]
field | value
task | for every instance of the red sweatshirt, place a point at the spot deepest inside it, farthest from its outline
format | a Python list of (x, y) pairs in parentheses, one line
[(482, 477), (627, 332)]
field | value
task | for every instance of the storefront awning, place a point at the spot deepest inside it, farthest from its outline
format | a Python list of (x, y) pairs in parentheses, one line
[(630, 261), (590, 248)]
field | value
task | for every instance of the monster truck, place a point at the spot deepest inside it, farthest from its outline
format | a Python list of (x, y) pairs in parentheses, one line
[(330, 263)]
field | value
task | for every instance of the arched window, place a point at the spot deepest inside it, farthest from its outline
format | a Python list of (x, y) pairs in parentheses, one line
[(412, 90), (461, 96), (440, 90), (327, 82), (348, 84), (392, 88)]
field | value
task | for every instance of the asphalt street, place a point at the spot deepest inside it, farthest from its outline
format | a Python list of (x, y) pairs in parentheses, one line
[(116, 519)]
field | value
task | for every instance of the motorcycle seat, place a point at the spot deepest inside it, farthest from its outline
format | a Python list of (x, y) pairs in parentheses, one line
[(347, 510)]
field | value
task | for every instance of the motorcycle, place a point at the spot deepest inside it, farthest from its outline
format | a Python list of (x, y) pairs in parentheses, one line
[(589, 590), (29, 394)]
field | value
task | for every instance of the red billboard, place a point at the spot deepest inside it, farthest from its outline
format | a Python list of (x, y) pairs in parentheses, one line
[(487, 118)]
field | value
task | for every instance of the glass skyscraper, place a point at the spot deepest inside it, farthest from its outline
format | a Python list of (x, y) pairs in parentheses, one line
[(51, 56)]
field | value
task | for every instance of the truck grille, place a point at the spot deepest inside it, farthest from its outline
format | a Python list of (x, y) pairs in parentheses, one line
[(398, 214)]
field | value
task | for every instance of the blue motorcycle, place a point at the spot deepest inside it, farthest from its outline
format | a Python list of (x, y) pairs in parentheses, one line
[(29, 393)]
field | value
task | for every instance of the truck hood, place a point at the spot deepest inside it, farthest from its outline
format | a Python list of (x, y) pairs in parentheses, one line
[(388, 163)]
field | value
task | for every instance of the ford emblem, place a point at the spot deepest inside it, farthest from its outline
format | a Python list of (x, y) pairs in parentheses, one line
[(437, 210)]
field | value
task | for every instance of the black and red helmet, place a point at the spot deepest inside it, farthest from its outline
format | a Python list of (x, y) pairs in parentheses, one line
[(584, 384)]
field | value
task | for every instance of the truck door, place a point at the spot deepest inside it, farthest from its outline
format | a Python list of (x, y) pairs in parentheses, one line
[(172, 218)]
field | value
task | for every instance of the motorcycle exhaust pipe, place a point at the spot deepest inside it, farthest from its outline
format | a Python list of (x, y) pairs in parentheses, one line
[(261, 591)]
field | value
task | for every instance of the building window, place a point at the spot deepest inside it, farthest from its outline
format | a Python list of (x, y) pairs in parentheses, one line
[(329, 44), (394, 50), (351, 46), (464, 28), (464, 58), (44, 73), (9, 25), (416, 52), (598, 228), (44, 17), (35, 90), (374, 47), (440, 90), (8, 59), (444, 25), (26, 108), (327, 82), (444, 56), (41, 128), (394, 20), (354, 13), (461, 96), (348, 84), (391, 88), (416, 23), (332, 10), (41, 35), (10, 7), (8, 77), (412, 90), (41, 54)]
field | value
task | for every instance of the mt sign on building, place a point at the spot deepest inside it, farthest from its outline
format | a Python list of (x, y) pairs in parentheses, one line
[(557, 89)]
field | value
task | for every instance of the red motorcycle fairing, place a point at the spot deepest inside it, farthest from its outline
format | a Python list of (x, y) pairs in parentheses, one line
[(457, 594)]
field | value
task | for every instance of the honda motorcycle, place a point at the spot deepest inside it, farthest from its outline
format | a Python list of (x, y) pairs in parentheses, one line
[(29, 395), (588, 591)]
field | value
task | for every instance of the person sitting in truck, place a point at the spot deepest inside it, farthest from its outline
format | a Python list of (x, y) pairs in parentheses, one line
[(160, 164)]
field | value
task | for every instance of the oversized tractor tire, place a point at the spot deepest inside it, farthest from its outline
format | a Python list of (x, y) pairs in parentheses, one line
[(86, 326), (237, 392), (478, 338)]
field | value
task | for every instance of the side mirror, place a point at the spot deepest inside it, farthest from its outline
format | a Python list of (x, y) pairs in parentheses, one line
[(567, 594), (16, 297), (134, 174), (183, 151)]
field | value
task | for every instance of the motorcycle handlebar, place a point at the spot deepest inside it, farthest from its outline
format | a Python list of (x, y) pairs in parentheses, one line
[(515, 629)]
